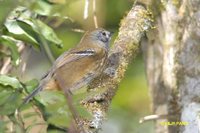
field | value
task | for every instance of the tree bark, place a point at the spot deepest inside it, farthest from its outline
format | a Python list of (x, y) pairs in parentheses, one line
[(172, 65)]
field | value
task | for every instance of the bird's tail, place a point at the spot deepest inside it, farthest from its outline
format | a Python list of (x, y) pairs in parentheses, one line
[(44, 80), (35, 92)]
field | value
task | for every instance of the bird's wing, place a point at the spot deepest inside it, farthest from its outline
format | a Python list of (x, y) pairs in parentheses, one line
[(71, 56)]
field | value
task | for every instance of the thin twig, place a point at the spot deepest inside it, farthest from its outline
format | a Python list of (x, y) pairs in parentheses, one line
[(152, 117), (95, 14), (19, 118), (78, 30), (17, 124), (86, 9), (11, 127), (5, 67), (7, 64), (24, 59), (45, 45), (72, 109)]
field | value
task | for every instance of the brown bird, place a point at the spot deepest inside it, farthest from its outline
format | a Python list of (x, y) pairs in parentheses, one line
[(78, 66)]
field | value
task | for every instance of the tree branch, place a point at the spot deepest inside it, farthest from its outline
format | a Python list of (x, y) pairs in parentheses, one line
[(126, 46)]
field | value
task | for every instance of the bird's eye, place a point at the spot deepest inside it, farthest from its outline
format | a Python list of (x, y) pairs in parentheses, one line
[(103, 33)]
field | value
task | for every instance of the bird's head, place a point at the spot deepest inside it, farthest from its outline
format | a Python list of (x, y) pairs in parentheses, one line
[(102, 37)]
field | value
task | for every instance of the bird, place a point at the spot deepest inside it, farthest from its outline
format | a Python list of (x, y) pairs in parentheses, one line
[(78, 66)]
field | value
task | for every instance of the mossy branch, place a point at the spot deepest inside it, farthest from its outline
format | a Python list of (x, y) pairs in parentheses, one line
[(126, 46)]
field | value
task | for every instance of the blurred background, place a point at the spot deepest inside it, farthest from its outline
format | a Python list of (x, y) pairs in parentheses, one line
[(67, 20)]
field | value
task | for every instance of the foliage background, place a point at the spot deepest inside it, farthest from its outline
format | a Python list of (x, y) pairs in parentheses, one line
[(132, 101)]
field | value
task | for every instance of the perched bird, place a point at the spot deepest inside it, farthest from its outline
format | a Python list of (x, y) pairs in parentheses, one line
[(78, 66)]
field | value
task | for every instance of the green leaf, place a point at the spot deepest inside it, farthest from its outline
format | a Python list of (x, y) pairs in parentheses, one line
[(10, 94), (30, 114), (4, 95), (27, 27), (11, 44), (56, 108), (31, 85), (42, 7), (59, 119), (51, 97), (10, 81), (13, 29), (58, 114), (39, 30), (23, 37), (55, 131), (48, 33), (3, 125), (23, 25), (5, 7), (10, 101)]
